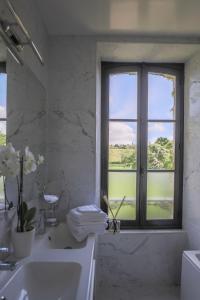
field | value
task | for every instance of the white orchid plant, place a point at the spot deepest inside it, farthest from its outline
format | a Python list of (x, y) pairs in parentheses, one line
[(17, 164)]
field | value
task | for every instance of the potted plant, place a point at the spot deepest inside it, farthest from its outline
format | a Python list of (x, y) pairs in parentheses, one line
[(19, 164), (23, 240)]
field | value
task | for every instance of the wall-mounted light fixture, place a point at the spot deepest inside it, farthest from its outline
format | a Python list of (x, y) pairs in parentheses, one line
[(14, 43)]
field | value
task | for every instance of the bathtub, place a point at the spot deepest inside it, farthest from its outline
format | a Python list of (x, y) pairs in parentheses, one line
[(190, 275)]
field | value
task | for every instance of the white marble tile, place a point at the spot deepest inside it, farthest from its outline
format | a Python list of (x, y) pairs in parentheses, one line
[(71, 140), (146, 292), (191, 187), (139, 259)]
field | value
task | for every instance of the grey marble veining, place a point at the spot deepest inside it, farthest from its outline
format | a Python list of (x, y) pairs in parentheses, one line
[(115, 292), (132, 260), (71, 139), (26, 126), (191, 186)]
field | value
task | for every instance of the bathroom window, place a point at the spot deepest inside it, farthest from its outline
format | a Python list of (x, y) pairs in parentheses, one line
[(142, 143), (3, 114)]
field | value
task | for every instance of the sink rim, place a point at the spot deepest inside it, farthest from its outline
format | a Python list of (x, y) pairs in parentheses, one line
[(83, 256)]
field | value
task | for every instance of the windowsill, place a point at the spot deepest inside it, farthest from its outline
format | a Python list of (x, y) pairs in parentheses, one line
[(149, 231)]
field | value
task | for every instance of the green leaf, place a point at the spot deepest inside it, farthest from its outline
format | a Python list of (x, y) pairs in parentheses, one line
[(29, 227), (30, 214)]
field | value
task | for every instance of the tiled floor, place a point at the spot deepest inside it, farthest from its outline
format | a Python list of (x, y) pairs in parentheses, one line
[(139, 293)]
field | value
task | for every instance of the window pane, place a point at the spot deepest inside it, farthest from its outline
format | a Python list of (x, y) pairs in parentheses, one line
[(122, 145), (161, 96), (3, 94), (2, 132), (123, 96), (122, 184), (160, 195), (161, 143)]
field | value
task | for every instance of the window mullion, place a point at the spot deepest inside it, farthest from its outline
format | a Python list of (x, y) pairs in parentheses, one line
[(143, 145)]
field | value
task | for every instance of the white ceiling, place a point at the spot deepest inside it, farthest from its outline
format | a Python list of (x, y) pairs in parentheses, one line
[(86, 17), (137, 52)]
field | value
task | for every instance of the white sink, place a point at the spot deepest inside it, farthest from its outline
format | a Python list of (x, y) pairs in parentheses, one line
[(59, 268), (59, 237), (44, 281)]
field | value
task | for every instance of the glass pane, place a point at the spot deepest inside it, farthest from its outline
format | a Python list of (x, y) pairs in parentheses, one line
[(161, 96), (2, 132), (122, 184), (123, 96), (160, 195), (3, 95), (161, 143), (122, 145)]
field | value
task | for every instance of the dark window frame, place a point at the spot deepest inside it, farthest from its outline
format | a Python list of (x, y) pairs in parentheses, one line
[(142, 69), (3, 70)]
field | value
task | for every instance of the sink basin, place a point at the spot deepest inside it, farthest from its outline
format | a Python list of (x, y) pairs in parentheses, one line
[(45, 281), (60, 238)]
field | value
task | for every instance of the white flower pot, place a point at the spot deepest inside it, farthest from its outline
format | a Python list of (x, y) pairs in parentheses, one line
[(22, 242)]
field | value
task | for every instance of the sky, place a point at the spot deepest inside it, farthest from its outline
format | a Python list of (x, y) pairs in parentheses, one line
[(123, 105), (3, 96)]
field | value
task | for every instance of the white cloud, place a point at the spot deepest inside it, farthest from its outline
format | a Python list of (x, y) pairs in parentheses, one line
[(2, 112), (3, 127), (156, 127), (121, 133)]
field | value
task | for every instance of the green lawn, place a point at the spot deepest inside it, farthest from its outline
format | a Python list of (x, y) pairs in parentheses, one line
[(160, 186), (154, 211), (159, 194)]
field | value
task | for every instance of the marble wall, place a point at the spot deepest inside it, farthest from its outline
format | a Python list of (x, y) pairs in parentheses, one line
[(27, 116), (71, 140), (131, 260), (191, 184)]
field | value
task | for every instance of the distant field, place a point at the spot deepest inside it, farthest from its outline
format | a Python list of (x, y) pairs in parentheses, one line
[(116, 156)]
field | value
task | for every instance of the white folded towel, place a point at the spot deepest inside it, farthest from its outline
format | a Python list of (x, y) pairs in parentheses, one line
[(88, 209), (83, 218), (87, 219), (88, 213), (86, 223), (82, 231)]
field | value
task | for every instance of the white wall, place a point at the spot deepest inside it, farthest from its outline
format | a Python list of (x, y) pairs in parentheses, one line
[(134, 259), (71, 145), (26, 126), (191, 184)]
